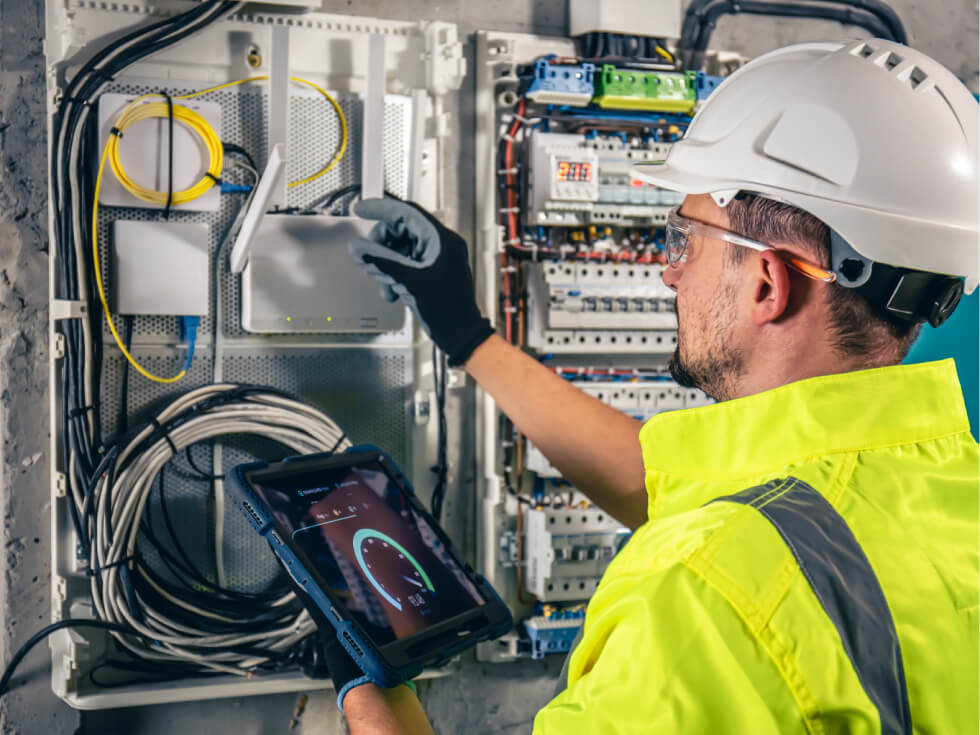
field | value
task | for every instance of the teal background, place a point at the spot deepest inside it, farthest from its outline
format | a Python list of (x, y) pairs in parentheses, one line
[(957, 338)]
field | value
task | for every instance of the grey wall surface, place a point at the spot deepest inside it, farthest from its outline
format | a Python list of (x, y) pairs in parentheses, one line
[(480, 699)]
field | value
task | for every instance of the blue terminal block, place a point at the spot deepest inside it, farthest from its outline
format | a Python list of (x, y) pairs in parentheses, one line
[(553, 634), (705, 84), (562, 84)]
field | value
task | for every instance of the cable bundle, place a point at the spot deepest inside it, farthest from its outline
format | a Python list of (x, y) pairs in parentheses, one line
[(72, 154), (875, 16), (195, 621)]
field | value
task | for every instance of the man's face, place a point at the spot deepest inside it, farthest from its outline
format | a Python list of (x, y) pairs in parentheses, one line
[(708, 355)]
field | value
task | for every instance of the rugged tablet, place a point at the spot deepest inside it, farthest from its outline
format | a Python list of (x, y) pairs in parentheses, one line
[(350, 531)]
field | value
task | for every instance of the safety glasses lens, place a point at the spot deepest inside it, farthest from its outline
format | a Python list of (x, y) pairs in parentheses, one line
[(676, 245)]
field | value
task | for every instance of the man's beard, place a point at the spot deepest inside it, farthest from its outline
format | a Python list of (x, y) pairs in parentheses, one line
[(716, 372)]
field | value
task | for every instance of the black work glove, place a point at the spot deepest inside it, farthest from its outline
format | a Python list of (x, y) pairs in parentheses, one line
[(427, 266), (344, 671)]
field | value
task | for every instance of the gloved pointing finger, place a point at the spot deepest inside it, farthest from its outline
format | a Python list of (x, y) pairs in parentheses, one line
[(429, 265)]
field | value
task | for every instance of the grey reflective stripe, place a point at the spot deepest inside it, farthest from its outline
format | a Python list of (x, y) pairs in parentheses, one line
[(562, 684), (846, 586)]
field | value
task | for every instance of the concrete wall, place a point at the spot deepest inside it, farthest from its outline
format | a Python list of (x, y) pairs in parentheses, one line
[(485, 699)]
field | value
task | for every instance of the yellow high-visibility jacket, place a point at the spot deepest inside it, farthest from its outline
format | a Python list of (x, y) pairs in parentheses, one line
[(810, 565)]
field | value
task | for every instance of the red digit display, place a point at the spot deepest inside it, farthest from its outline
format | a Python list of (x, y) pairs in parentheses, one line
[(574, 171)]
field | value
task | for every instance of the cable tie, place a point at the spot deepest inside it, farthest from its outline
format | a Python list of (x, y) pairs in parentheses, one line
[(170, 155), (509, 210), (213, 178), (508, 137), (166, 436), (76, 412), (507, 170), (116, 131), (519, 116), (93, 571), (338, 442)]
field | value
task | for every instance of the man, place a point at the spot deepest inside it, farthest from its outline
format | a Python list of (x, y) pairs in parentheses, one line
[(805, 551)]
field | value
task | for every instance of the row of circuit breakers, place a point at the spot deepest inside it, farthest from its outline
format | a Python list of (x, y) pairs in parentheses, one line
[(594, 297)]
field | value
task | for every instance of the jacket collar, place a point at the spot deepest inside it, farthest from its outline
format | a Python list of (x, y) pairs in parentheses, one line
[(751, 436)]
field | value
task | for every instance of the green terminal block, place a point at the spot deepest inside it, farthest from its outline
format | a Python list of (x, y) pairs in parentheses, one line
[(646, 90)]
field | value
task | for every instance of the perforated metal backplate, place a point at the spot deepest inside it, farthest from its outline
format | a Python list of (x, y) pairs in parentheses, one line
[(314, 134), (367, 392), (366, 389)]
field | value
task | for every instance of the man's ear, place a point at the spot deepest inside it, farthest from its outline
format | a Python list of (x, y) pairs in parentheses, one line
[(770, 294)]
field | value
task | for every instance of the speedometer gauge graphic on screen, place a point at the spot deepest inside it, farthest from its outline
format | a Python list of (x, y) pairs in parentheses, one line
[(391, 569)]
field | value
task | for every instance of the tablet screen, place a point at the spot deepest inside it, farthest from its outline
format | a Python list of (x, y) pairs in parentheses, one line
[(373, 554)]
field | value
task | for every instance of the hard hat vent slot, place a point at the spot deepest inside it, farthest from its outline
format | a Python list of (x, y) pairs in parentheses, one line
[(916, 77), (864, 51), (891, 61)]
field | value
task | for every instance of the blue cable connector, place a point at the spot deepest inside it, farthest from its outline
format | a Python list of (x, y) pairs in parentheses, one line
[(188, 334)]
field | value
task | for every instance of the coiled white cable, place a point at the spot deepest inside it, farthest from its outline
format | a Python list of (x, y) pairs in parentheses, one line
[(211, 412)]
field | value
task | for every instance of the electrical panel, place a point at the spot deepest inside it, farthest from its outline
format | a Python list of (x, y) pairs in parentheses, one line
[(571, 261), (218, 174)]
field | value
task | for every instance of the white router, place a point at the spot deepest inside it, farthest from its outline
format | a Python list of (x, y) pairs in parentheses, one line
[(297, 275)]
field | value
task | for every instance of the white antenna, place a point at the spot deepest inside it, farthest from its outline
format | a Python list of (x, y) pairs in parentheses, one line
[(271, 188), (273, 174)]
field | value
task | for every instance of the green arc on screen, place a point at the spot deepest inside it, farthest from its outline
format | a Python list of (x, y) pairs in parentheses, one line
[(366, 533)]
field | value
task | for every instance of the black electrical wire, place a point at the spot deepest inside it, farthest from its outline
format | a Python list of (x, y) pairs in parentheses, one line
[(233, 149), (15, 660), (694, 17), (847, 16), (82, 437), (193, 570), (162, 673), (200, 473), (440, 369), (873, 15), (170, 155), (637, 52), (122, 422)]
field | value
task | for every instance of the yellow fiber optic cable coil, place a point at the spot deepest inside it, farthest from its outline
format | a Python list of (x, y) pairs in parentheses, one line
[(135, 112)]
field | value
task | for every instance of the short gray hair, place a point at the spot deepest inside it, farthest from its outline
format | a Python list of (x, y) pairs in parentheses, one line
[(857, 327)]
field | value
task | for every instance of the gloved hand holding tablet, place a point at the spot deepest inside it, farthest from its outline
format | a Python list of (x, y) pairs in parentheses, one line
[(370, 560)]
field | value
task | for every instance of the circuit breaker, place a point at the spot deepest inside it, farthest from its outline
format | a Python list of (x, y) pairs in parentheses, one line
[(599, 308)]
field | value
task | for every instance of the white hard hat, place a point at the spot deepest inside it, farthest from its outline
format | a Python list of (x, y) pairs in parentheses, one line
[(876, 139)]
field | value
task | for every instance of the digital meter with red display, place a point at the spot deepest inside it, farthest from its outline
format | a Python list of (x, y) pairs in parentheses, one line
[(573, 171)]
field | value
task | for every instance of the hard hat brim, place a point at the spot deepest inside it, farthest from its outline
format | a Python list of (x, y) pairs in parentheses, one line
[(662, 174)]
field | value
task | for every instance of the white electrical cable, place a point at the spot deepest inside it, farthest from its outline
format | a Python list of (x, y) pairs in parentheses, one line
[(300, 427)]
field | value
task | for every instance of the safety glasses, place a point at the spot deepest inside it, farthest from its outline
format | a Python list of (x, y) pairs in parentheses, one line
[(680, 229)]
